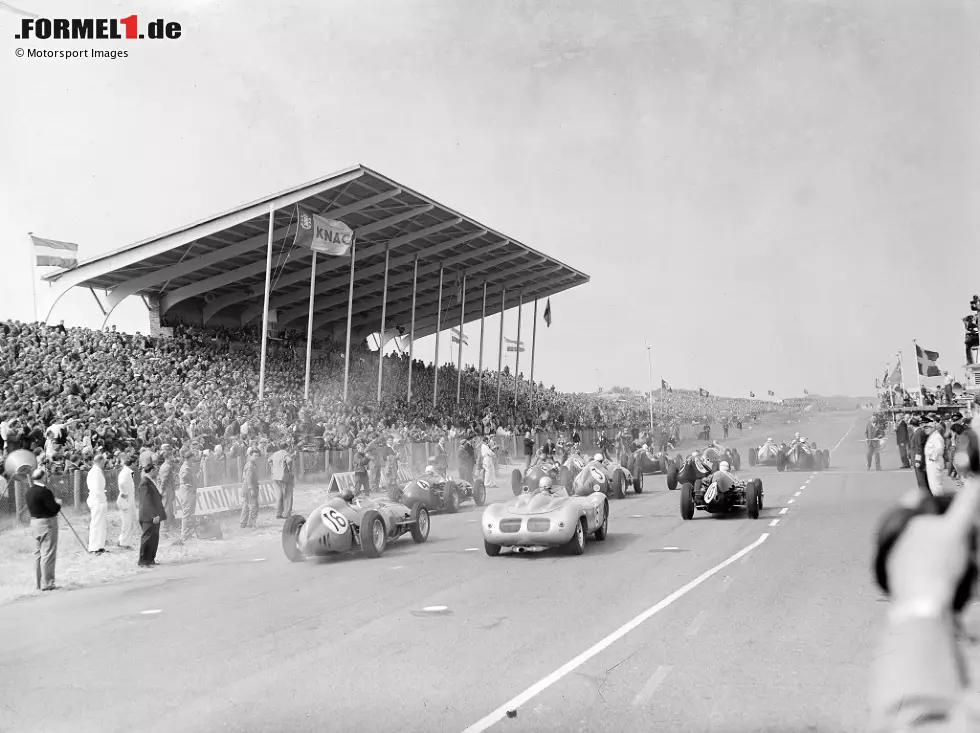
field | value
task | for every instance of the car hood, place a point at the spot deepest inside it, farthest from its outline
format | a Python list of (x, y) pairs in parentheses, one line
[(536, 503)]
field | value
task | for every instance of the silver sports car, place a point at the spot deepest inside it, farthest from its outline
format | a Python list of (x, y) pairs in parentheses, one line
[(541, 519)]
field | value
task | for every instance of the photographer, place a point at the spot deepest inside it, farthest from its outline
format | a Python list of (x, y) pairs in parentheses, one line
[(919, 681)]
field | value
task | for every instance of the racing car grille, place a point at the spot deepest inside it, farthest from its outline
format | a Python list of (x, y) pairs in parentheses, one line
[(510, 525), (538, 525)]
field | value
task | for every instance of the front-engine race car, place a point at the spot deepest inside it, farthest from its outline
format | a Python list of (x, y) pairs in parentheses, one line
[(721, 493), (560, 468), (645, 461), (610, 478), (345, 524), (803, 456), (716, 453), (767, 454), (539, 519), (437, 493)]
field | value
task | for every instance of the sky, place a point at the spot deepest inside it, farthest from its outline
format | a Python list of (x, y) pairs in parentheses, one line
[(770, 195)]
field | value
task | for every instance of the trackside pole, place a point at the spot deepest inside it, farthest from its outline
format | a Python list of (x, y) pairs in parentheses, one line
[(265, 306), (650, 400), (411, 333), (517, 364), (350, 311), (500, 347), (435, 382), (384, 311), (534, 341), (483, 318), (459, 350), (309, 328)]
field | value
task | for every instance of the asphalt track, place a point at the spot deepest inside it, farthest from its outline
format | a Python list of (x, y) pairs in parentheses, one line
[(667, 626)]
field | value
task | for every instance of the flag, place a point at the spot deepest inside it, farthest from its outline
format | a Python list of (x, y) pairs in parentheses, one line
[(547, 313), (457, 335), (51, 253), (751, 394), (878, 383), (326, 236), (805, 392), (703, 392), (896, 376), (927, 362), (664, 386), (771, 393)]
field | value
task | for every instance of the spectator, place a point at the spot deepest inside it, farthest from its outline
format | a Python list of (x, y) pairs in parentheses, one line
[(250, 490), (361, 465), (165, 482), (919, 437), (44, 509), (98, 504), (280, 465), (186, 495), (151, 511), (902, 438), (126, 503), (935, 453)]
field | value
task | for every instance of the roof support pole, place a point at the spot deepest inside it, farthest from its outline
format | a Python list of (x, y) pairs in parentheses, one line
[(309, 327), (435, 382), (459, 350), (265, 308), (384, 308), (534, 343), (350, 310), (517, 363), (500, 347), (483, 318), (411, 333)]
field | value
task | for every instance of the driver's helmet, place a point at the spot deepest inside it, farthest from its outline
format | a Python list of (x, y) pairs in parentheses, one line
[(347, 494), (695, 454), (797, 436), (597, 457), (768, 440), (723, 466), (802, 440), (545, 484), (430, 469), (646, 447)]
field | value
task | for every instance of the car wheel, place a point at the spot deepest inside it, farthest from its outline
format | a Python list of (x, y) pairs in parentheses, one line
[(780, 464), (638, 484), (619, 484), (576, 545), (420, 523), (664, 465), (565, 478), (672, 478), (373, 534), (491, 549), (395, 492), (516, 479), (752, 498), (290, 537), (603, 531), (450, 499), (687, 501), (752, 456), (736, 460), (826, 458), (479, 493), (762, 493)]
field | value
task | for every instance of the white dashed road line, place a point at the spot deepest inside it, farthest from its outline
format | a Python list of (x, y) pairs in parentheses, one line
[(646, 692), (696, 624), (774, 522), (543, 684), (797, 493), (791, 501), (150, 612), (472, 549), (783, 510)]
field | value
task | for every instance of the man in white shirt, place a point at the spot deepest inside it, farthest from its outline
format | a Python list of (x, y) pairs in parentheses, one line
[(935, 455), (97, 503), (126, 503)]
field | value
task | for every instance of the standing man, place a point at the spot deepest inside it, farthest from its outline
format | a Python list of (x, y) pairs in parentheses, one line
[(166, 480), (44, 510), (361, 465), (874, 433), (126, 503), (250, 489), (935, 455), (281, 468), (97, 502), (186, 495), (919, 437), (152, 512), (902, 438)]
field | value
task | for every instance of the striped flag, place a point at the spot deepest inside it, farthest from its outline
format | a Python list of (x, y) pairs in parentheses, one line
[(457, 336), (703, 392), (896, 376), (51, 253), (927, 362), (806, 392), (751, 394), (771, 393), (665, 386), (547, 313)]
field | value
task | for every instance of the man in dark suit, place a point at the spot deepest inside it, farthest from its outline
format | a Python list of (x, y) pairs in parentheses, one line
[(918, 450), (902, 438), (874, 433), (151, 511)]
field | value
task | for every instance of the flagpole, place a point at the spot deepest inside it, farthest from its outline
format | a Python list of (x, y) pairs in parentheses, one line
[(534, 341), (517, 363), (650, 400), (918, 377), (500, 347), (483, 318), (435, 383), (265, 306), (33, 259), (309, 328), (384, 312), (411, 333), (459, 351), (901, 364), (350, 312)]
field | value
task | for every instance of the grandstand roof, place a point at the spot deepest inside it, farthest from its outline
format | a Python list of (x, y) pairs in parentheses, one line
[(213, 271)]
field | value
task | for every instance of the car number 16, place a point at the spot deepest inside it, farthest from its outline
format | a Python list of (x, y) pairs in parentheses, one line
[(334, 521)]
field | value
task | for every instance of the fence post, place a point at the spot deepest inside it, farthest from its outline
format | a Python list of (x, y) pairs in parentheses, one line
[(76, 481)]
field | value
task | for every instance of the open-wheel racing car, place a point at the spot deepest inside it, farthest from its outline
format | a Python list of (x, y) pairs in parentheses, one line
[(345, 524), (437, 493), (646, 461), (715, 453), (803, 456), (607, 477), (721, 493), (560, 468), (767, 454), (545, 517)]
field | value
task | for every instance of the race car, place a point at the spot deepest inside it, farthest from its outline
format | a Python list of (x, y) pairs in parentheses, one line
[(715, 453), (645, 461), (803, 456), (608, 477), (550, 467), (345, 524), (766, 454), (722, 493), (545, 517), (437, 493)]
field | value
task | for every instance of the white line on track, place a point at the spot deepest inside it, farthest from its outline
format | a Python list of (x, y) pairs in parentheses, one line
[(646, 692), (797, 493), (472, 549), (150, 612), (784, 510), (774, 522), (543, 684), (696, 624), (842, 439), (791, 501)]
